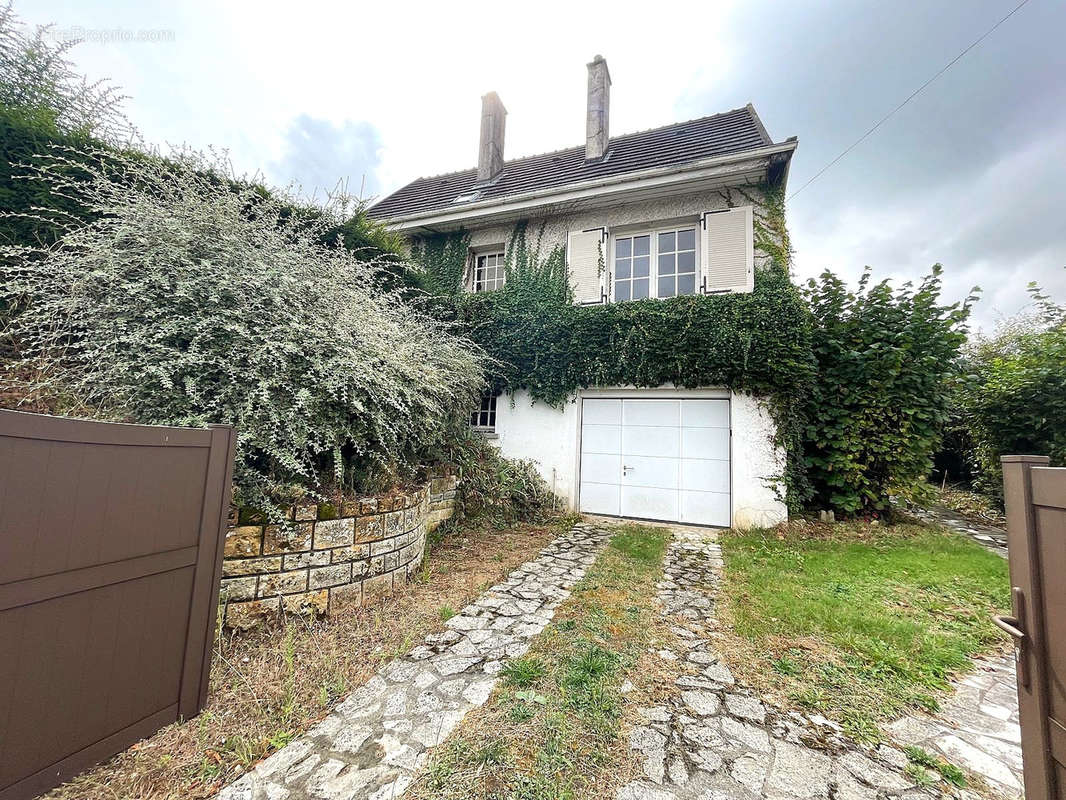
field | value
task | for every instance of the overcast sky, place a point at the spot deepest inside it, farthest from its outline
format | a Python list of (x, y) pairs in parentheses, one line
[(971, 173)]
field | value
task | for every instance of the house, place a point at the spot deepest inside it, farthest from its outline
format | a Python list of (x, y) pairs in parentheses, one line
[(651, 214)]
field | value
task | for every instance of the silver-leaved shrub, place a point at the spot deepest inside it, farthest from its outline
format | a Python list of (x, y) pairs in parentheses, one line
[(195, 299)]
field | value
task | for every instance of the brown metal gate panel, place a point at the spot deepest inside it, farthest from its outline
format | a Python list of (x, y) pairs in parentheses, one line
[(111, 542), (1036, 531)]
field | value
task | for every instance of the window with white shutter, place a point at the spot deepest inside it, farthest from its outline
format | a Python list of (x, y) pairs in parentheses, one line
[(585, 254), (727, 257)]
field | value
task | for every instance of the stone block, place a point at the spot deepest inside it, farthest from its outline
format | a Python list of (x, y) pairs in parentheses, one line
[(410, 518), (250, 566), (368, 506), (392, 560), (330, 576), (243, 616), (360, 568), (237, 589), (353, 553), (307, 602), (334, 533), (382, 546), (367, 529), (313, 558), (377, 587), (394, 523), (377, 565), (243, 541), (350, 595), (350, 508), (287, 538), (283, 583)]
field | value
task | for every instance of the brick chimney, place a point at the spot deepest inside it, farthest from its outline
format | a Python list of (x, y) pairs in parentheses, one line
[(490, 154), (597, 135)]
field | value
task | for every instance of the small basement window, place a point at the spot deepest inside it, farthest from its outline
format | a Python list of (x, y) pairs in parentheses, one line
[(484, 418), (490, 272)]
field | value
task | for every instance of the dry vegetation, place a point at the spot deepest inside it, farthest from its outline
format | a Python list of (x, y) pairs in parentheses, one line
[(269, 685)]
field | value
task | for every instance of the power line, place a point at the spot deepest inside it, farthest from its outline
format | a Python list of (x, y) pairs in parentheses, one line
[(913, 94)]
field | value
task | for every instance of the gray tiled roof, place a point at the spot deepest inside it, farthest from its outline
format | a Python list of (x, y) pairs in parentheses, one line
[(722, 134)]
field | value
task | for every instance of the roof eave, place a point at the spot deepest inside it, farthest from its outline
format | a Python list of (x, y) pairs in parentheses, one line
[(675, 175)]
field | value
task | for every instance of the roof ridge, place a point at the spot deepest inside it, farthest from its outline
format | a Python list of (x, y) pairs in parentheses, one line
[(749, 108)]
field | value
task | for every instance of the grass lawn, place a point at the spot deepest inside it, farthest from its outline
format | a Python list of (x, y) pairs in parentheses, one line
[(859, 622), (551, 729), (269, 685)]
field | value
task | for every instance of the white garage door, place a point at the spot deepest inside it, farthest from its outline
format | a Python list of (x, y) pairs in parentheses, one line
[(656, 459)]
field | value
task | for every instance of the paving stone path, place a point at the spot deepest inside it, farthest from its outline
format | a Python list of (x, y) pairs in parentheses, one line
[(994, 539), (716, 740), (977, 728), (374, 742)]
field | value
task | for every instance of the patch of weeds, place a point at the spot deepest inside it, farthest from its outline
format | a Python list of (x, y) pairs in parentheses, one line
[(520, 712), (785, 666), (446, 613), (523, 672), (926, 760), (919, 774)]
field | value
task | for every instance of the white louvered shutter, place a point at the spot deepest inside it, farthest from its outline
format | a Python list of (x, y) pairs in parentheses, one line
[(586, 262), (727, 260)]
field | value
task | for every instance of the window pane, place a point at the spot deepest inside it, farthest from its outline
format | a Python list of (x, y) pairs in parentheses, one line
[(686, 284), (640, 289), (641, 266), (621, 290), (666, 286), (666, 242), (623, 248), (641, 245), (666, 264), (686, 262), (621, 268), (686, 240)]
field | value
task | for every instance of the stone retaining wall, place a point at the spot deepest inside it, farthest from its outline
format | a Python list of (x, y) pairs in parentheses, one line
[(356, 552)]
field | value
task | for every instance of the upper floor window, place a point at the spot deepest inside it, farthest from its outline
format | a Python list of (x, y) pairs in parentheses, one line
[(490, 272), (655, 264)]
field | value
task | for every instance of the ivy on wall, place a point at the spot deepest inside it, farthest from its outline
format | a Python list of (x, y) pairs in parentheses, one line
[(538, 340), (855, 381)]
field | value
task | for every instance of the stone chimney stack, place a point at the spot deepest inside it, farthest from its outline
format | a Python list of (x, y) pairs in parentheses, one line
[(597, 134), (490, 154)]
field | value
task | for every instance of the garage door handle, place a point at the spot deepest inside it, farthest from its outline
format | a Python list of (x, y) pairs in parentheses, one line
[(625, 469), (1015, 626)]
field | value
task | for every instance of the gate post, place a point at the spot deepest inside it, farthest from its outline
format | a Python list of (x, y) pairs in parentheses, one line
[(1026, 591)]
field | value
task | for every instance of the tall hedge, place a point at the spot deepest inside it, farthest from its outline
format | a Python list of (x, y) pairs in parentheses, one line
[(875, 415)]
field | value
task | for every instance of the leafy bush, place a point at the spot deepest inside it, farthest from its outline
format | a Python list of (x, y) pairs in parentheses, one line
[(875, 415), (1011, 395), (192, 299), (502, 489)]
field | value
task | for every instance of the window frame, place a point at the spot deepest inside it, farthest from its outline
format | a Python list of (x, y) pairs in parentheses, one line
[(500, 279), (653, 254), (486, 410)]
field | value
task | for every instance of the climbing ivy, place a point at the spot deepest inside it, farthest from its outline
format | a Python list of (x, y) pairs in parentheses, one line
[(853, 381), (538, 340)]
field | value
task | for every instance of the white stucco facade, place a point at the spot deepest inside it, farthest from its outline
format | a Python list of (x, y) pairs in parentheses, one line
[(550, 437)]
